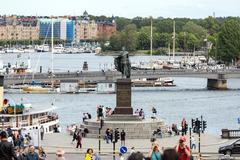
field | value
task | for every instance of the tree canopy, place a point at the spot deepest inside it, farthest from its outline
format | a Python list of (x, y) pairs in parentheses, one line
[(228, 41)]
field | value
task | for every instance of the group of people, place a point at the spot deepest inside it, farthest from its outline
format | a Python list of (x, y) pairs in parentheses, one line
[(180, 152), (86, 116), (77, 136), (174, 129), (140, 113), (16, 150), (103, 111)]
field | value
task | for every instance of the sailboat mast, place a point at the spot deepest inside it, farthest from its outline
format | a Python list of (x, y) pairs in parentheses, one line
[(52, 56), (174, 39), (52, 45), (151, 38), (169, 52)]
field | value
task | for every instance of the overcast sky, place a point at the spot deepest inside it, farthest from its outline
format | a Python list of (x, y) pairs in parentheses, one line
[(124, 8)]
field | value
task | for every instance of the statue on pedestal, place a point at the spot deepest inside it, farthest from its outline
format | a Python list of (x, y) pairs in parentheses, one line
[(122, 64)]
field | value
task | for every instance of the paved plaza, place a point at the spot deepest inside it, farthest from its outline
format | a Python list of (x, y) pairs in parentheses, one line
[(51, 142)]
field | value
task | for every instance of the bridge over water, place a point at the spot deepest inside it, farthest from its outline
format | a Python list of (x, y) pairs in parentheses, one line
[(216, 79)]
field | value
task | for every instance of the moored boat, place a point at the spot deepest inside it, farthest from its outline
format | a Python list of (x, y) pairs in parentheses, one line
[(24, 116), (35, 89)]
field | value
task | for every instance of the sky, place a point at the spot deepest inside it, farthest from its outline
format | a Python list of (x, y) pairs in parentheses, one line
[(123, 8)]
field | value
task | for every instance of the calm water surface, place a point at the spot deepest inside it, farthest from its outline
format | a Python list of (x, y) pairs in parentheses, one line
[(189, 99)]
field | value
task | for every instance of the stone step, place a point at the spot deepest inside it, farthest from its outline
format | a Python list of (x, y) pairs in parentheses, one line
[(133, 129), (124, 123), (121, 117), (129, 128)]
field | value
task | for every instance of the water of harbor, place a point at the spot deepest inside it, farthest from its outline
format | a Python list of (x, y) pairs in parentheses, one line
[(190, 99)]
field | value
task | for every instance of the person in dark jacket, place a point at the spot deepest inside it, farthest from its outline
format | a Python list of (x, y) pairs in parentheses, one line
[(123, 137), (79, 140), (6, 148)]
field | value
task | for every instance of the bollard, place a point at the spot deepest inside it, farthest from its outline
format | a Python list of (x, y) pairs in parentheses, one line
[(114, 150), (199, 140), (99, 140)]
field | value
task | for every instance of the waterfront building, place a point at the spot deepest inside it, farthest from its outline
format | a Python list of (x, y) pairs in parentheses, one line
[(69, 86), (63, 29), (85, 29), (18, 32), (18, 28), (106, 86), (106, 28), (70, 26)]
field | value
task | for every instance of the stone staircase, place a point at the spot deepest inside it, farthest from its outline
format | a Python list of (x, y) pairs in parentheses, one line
[(135, 129)]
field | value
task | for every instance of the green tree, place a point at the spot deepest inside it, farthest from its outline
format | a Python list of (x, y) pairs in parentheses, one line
[(162, 40), (116, 42), (187, 41), (228, 42), (122, 23), (143, 38), (165, 25), (129, 37), (197, 30), (211, 24)]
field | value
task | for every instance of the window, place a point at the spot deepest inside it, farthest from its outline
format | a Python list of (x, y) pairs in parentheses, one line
[(24, 117), (237, 143), (110, 85)]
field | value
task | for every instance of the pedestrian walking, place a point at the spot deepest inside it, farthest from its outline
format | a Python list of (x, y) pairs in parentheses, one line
[(42, 132), (75, 135), (194, 146), (123, 137), (184, 127), (107, 135), (79, 140)]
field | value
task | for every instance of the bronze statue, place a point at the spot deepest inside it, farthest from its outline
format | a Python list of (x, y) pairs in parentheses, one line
[(122, 64)]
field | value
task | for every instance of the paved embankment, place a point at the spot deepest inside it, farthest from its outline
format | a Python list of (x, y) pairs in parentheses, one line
[(209, 145)]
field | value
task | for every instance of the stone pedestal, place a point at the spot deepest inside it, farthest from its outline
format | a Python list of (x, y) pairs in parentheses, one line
[(123, 97)]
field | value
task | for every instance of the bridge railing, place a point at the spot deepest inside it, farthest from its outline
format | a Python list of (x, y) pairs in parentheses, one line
[(230, 134)]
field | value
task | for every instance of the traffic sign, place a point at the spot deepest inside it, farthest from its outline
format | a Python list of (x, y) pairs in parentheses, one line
[(123, 150)]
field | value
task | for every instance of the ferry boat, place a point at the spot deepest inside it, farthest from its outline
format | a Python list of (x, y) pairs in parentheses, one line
[(24, 116)]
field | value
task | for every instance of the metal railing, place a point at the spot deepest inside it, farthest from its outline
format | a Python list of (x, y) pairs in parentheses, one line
[(230, 134)]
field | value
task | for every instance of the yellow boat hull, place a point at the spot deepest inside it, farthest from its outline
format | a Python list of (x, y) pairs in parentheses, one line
[(36, 89)]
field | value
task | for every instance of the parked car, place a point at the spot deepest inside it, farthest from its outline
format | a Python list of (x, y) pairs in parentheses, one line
[(233, 148)]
